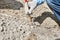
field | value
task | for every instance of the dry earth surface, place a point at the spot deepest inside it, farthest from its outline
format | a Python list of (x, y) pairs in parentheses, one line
[(14, 24)]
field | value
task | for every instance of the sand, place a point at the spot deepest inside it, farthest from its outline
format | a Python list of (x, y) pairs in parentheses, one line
[(14, 24)]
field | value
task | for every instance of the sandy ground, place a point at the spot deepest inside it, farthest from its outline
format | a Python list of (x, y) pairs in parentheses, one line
[(14, 24)]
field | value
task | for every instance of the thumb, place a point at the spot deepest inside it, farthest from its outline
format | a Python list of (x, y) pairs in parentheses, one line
[(32, 5)]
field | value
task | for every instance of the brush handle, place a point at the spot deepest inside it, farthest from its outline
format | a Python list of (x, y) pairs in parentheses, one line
[(26, 6), (25, 0)]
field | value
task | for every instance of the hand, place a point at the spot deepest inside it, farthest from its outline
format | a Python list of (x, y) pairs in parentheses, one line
[(32, 5)]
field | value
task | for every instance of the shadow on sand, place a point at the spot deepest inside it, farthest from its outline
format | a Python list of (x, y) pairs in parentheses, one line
[(11, 4), (40, 19)]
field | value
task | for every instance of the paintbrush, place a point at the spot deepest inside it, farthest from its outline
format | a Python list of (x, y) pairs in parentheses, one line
[(26, 10)]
